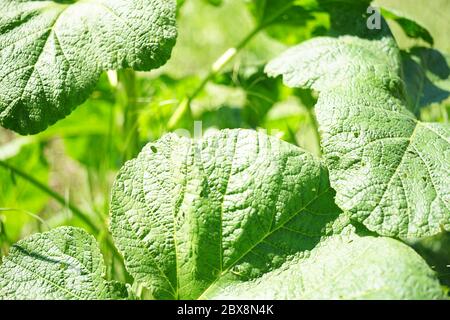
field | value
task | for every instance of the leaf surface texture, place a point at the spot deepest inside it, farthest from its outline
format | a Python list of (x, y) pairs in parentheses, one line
[(390, 171), (64, 263), (52, 53)]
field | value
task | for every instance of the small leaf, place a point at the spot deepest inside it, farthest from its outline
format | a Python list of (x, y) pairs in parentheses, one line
[(261, 93), (431, 16), (294, 21), (215, 3), (411, 28), (52, 52), (427, 77), (64, 263)]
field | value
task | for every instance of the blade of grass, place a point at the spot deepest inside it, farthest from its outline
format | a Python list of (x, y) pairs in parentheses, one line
[(53, 194)]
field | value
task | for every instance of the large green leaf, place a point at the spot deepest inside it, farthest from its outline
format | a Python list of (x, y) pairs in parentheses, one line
[(64, 263), (390, 171), (244, 215), (52, 52)]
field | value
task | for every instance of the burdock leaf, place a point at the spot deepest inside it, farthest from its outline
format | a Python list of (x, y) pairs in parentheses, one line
[(52, 52)]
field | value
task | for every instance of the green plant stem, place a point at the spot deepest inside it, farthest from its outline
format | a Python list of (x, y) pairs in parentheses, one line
[(184, 107), (127, 80), (315, 125)]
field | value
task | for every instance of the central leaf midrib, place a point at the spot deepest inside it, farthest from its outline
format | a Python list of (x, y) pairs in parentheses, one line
[(61, 7), (223, 200), (261, 240), (35, 62)]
